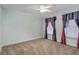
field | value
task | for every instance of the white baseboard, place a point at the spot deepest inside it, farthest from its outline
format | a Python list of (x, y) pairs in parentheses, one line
[(15, 42), (0, 49)]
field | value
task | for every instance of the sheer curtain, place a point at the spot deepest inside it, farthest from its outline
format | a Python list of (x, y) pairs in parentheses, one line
[(70, 27), (50, 27)]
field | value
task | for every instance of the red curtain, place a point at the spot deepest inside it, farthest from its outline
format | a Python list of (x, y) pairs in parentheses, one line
[(66, 18), (63, 38)]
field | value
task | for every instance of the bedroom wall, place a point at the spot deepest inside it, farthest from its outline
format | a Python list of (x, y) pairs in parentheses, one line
[(0, 26), (59, 23), (19, 26)]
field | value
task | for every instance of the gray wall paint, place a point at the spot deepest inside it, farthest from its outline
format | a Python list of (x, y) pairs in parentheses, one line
[(18, 27), (0, 27)]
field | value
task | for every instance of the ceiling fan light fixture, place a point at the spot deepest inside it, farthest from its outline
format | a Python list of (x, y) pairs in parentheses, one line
[(43, 10)]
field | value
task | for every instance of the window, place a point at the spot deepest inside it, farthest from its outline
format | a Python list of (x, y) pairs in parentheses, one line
[(49, 28), (71, 29)]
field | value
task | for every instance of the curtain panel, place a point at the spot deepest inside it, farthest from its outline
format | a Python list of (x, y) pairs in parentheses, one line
[(52, 20), (65, 19)]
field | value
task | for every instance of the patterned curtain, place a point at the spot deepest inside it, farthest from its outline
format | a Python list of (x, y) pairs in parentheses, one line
[(65, 19), (76, 16), (54, 31), (52, 20), (46, 24), (63, 37)]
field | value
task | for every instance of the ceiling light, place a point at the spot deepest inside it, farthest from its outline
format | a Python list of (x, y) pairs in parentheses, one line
[(45, 8)]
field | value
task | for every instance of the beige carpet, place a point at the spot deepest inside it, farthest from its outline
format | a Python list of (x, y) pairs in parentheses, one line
[(39, 47)]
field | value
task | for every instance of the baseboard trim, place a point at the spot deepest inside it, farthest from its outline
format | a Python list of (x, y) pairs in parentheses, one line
[(13, 43), (0, 49)]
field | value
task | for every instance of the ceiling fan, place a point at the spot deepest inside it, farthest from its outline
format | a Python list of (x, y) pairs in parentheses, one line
[(45, 8)]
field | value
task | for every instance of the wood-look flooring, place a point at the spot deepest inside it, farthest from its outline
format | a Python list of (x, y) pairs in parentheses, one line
[(39, 47)]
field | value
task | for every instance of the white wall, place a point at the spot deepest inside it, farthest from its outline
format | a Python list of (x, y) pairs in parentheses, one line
[(59, 14), (18, 27), (0, 27)]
